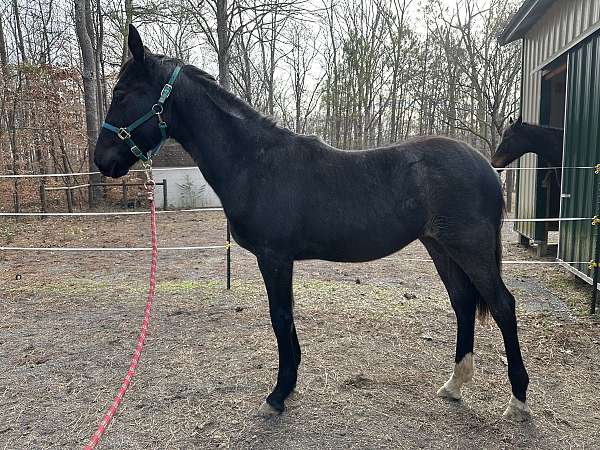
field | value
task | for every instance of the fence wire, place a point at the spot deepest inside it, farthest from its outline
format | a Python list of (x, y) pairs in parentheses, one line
[(209, 209)]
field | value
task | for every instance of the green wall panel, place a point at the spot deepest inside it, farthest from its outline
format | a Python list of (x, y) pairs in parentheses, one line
[(581, 149)]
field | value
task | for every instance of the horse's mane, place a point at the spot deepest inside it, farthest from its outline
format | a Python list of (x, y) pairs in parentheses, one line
[(231, 104), (544, 127)]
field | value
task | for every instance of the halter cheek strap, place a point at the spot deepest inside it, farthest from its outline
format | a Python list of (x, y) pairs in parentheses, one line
[(124, 133)]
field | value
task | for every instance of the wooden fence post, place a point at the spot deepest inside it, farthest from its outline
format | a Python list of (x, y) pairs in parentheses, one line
[(124, 188), (43, 196)]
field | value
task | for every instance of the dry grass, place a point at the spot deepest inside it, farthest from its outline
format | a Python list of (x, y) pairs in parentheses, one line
[(373, 353)]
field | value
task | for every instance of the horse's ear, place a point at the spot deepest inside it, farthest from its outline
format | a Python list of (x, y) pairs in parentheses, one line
[(510, 120), (134, 42), (519, 121)]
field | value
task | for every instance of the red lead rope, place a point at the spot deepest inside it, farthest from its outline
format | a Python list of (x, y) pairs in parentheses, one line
[(140, 343)]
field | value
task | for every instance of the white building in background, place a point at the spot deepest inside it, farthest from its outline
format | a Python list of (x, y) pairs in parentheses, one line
[(186, 187)]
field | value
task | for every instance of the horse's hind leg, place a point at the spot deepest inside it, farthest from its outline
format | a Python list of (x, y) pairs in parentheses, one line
[(475, 251), (463, 297)]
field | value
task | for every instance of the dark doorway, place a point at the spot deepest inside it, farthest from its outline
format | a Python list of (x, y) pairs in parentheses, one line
[(552, 114)]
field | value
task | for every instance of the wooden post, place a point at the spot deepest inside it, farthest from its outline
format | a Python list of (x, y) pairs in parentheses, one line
[(70, 200), (124, 188), (69, 193), (43, 196), (164, 188)]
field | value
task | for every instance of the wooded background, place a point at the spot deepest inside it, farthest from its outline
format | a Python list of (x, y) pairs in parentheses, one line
[(358, 73)]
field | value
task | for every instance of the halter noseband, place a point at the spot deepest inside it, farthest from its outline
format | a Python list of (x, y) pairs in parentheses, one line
[(124, 133)]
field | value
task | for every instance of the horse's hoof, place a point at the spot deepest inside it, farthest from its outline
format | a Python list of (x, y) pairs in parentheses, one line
[(267, 411), (517, 411), (449, 391)]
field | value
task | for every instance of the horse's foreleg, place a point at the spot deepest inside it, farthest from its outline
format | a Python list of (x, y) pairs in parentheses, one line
[(277, 274), (296, 346)]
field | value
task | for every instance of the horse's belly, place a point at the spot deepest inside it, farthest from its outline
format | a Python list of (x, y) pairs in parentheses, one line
[(359, 246)]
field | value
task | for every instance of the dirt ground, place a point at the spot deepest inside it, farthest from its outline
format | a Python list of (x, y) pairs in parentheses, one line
[(377, 340)]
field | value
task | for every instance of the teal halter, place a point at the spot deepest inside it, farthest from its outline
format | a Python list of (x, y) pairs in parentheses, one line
[(124, 133)]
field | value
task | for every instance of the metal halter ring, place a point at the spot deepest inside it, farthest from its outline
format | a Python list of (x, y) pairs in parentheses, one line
[(149, 184), (157, 109), (123, 134)]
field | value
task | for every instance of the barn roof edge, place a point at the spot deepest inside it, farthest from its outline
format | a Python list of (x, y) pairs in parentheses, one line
[(523, 20)]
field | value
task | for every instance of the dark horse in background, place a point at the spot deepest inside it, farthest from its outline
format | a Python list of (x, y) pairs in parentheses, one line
[(521, 138), (547, 142), (291, 197)]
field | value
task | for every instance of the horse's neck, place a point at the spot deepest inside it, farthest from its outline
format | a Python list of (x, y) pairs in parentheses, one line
[(548, 144), (222, 146)]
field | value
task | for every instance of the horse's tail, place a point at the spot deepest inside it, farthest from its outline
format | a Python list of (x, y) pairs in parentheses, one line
[(483, 309), (499, 234)]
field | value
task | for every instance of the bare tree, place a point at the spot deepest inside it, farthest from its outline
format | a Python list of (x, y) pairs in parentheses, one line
[(89, 73)]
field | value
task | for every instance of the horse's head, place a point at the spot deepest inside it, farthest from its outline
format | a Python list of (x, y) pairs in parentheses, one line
[(514, 144), (138, 88)]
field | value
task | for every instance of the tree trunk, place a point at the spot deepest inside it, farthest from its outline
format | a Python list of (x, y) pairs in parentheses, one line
[(12, 127), (89, 93), (128, 21), (3, 54), (223, 40), (19, 33), (100, 81)]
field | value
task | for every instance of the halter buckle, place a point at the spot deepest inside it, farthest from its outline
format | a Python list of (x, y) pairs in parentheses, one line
[(123, 134), (137, 152), (166, 91)]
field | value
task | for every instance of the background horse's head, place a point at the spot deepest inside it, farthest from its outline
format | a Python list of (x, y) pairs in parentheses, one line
[(514, 144), (138, 88)]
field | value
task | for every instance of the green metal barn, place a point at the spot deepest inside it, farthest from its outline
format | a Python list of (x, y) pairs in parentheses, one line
[(561, 88)]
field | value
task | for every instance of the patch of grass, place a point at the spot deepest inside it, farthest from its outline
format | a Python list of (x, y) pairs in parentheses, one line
[(75, 286), (71, 233), (7, 232), (187, 286)]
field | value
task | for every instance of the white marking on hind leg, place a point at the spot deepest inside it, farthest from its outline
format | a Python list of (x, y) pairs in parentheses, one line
[(463, 373), (267, 411), (517, 410)]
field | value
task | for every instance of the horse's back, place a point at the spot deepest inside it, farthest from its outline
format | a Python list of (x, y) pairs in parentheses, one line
[(361, 205), (382, 199)]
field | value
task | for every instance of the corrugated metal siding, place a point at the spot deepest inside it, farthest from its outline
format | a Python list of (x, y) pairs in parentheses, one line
[(526, 196), (581, 149), (560, 28)]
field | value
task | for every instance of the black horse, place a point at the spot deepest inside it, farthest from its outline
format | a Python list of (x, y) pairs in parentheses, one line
[(547, 142), (520, 138), (291, 197)]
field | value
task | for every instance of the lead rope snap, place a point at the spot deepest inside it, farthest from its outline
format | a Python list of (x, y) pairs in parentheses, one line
[(149, 183)]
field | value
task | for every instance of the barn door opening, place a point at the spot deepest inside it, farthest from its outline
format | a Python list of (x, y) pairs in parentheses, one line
[(552, 114)]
